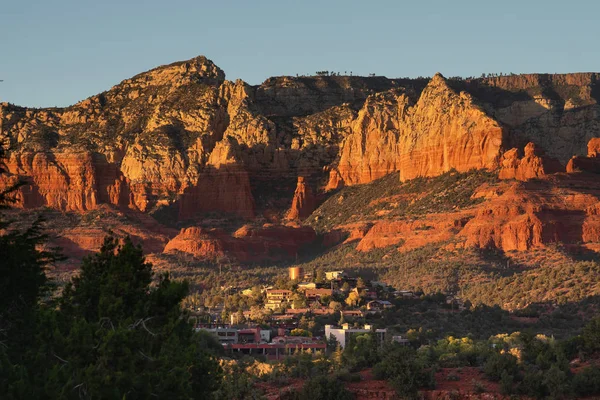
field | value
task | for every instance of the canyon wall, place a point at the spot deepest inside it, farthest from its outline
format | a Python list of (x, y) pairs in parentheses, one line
[(182, 136)]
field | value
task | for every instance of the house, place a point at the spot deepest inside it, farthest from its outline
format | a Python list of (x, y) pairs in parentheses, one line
[(276, 298), (400, 340), (297, 311), (353, 313), (302, 286), (455, 302), (317, 294), (342, 334), (332, 275), (380, 284), (405, 294), (376, 305)]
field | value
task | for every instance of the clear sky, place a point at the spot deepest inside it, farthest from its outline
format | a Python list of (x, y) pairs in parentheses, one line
[(57, 52)]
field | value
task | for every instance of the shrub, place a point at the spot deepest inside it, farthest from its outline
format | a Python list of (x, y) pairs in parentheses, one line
[(479, 387), (499, 363), (587, 382)]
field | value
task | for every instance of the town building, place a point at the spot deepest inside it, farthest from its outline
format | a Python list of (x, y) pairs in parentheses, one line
[(378, 305), (342, 334), (302, 286), (276, 351), (332, 275), (224, 335), (276, 298), (317, 294)]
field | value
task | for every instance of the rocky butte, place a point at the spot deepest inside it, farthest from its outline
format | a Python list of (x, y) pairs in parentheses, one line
[(237, 165)]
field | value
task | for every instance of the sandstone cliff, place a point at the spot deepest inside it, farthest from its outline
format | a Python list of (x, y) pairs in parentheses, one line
[(443, 130), (181, 138)]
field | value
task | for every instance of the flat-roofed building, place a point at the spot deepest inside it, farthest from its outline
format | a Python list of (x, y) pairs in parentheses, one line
[(331, 275), (302, 286), (316, 294), (276, 298), (342, 334), (224, 335)]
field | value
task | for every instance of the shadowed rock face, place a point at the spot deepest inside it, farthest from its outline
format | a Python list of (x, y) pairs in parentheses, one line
[(181, 136)]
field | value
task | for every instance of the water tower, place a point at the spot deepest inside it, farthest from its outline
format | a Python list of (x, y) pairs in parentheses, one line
[(296, 273)]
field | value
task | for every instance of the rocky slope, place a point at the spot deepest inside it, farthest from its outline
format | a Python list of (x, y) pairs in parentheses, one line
[(183, 144)]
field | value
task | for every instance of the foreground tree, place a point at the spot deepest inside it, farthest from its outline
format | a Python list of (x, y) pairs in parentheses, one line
[(115, 335), (22, 284)]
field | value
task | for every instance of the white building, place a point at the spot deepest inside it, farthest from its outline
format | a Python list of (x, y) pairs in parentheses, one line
[(343, 334), (331, 275)]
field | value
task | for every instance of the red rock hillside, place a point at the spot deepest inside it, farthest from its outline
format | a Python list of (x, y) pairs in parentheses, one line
[(180, 146)]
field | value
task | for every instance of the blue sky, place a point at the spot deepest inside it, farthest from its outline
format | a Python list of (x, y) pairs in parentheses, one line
[(57, 52)]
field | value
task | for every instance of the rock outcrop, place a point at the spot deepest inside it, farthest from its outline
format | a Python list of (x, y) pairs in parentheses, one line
[(304, 201), (183, 140), (591, 163), (443, 130), (247, 244), (534, 164)]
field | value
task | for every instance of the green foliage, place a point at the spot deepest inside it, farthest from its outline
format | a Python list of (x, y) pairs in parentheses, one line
[(321, 388), (507, 382), (498, 364), (591, 335), (361, 351), (405, 372), (237, 384), (116, 336), (447, 192), (587, 382)]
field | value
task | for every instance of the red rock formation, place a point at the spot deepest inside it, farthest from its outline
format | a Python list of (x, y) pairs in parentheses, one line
[(533, 165), (68, 181), (64, 181), (247, 244), (532, 215), (591, 163), (223, 186), (412, 234), (443, 130), (304, 201), (199, 242)]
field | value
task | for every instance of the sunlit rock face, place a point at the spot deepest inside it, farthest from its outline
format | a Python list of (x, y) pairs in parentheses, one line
[(181, 137)]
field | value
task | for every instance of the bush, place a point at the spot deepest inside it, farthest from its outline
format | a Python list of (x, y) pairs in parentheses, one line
[(453, 377), (499, 363), (507, 382), (320, 388), (587, 382), (479, 387), (406, 374)]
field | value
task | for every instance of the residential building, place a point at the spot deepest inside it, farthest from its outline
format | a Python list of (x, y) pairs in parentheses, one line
[(342, 334), (317, 294), (406, 294), (276, 298), (401, 340), (302, 286), (353, 313), (377, 305), (331, 275)]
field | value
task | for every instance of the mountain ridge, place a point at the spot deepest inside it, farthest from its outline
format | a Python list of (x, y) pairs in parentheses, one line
[(183, 144)]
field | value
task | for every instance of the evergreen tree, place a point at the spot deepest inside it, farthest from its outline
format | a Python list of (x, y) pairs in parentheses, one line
[(116, 335)]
